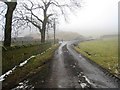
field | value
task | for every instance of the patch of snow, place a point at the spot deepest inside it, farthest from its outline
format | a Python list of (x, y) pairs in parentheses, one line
[(83, 85), (26, 87), (2, 77), (91, 83), (50, 48), (32, 56), (26, 81), (74, 66), (87, 79), (23, 63), (21, 87), (79, 81), (21, 83), (16, 87), (41, 53), (10, 71), (14, 68), (33, 87), (109, 66)]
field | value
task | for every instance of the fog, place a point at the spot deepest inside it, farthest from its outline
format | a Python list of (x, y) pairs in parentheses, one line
[(94, 18)]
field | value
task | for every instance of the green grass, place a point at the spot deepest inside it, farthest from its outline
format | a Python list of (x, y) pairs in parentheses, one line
[(34, 65), (17, 54), (103, 51)]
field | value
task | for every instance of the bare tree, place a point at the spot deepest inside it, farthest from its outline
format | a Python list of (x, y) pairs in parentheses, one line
[(46, 9)]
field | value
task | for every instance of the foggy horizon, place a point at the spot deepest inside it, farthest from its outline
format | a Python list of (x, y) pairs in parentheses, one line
[(95, 18)]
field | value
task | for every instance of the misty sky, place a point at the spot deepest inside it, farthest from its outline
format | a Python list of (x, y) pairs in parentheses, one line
[(94, 18)]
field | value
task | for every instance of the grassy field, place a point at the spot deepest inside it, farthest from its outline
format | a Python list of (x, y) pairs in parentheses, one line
[(103, 51), (33, 66), (17, 54)]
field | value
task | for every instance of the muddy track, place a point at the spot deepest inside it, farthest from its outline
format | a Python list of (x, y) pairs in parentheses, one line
[(69, 69)]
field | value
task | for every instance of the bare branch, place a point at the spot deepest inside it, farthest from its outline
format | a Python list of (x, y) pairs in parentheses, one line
[(30, 9)]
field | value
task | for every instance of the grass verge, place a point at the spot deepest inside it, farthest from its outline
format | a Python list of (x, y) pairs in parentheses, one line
[(104, 52), (15, 55), (23, 72)]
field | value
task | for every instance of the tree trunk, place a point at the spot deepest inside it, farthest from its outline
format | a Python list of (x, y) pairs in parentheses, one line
[(8, 26), (54, 27), (43, 32), (43, 37)]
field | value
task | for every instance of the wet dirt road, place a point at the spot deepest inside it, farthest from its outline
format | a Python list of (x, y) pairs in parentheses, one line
[(65, 72), (69, 69)]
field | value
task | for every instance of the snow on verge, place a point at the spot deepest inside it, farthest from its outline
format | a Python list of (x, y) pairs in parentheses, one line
[(23, 63), (2, 77)]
